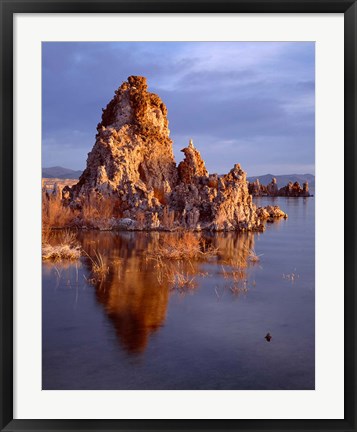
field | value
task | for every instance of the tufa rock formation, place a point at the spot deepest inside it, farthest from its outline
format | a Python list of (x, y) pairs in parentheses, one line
[(132, 164), (257, 189), (295, 190), (272, 188), (132, 157), (290, 190), (270, 213), (193, 166)]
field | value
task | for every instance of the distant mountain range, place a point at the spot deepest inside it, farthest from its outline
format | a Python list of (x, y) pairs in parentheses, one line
[(60, 173), (283, 180)]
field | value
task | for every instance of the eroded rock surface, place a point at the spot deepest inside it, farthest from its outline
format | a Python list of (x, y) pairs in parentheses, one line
[(132, 164), (290, 190), (193, 166), (132, 158), (295, 190), (271, 212), (272, 188)]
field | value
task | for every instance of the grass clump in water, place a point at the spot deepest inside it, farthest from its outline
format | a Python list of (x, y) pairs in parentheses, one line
[(176, 258), (183, 246), (99, 267), (66, 249), (253, 257)]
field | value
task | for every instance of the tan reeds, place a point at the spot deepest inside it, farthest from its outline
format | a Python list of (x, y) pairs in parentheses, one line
[(183, 246), (183, 281), (54, 213), (98, 211), (236, 274), (46, 234), (68, 237), (239, 288), (66, 249), (99, 268), (172, 273), (60, 252), (253, 257)]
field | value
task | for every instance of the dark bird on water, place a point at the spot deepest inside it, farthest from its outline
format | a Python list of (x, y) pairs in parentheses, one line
[(268, 337)]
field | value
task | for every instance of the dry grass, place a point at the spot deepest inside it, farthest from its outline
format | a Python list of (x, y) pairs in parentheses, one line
[(46, 234), (55, 214), (235, 274), (183, 246), (100, 269), (291, 277), (239, 261), (243, 258), (180, 275), (68, 237), (183, 281), (66, 248), (172, 273), (239, 288), (60, 252), (172, 259), (89, 212), (238, 284), (98, 211), (253, 257)]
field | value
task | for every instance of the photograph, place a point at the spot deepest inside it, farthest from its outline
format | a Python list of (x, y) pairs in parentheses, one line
[(178, 215)]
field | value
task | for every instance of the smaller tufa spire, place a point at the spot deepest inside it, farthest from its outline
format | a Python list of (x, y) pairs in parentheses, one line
[(192, 168)]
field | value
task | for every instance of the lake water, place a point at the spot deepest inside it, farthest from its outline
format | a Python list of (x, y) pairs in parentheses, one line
[(136, 330)]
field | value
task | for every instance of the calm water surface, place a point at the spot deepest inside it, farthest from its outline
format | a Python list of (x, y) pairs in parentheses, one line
[(136, 330)]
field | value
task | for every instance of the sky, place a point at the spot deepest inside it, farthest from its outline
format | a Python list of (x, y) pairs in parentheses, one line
[(251, 103)]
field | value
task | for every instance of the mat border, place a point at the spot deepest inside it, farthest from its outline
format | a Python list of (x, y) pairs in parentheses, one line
[(7, 10)]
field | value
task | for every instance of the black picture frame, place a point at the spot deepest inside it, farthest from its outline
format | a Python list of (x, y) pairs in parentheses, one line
[(8, 8)]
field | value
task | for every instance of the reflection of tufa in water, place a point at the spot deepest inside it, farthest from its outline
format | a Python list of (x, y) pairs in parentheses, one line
[(134, 302), (136, 292)]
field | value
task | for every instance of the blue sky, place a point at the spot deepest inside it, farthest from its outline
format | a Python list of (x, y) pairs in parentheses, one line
[(251, 103)]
